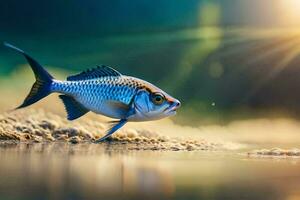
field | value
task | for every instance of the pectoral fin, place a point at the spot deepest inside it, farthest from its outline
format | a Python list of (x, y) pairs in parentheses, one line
[(113, 129)]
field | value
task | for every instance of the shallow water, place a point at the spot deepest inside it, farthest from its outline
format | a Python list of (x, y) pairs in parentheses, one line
[(43, 156), (90, 171)]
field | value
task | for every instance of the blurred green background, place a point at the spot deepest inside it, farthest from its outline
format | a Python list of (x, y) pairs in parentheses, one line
[(223, 59)]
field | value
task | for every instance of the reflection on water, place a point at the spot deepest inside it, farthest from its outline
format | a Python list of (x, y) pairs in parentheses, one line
[(85, 171)]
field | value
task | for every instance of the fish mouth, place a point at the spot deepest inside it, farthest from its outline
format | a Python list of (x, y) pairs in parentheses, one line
[(172, 109)]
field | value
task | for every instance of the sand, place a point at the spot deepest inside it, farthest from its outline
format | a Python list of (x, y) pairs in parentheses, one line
[(38, 126), (275, 153)]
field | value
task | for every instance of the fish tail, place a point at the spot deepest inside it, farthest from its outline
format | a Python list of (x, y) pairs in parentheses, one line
[(42, 86)]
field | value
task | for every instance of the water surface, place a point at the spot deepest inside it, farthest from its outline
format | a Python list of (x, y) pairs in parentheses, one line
[(90, 171)]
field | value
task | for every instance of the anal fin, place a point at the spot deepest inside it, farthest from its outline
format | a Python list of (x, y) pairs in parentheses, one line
[(74, 109)]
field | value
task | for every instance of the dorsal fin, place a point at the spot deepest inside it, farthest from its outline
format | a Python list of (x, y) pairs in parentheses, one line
[(98, 72)]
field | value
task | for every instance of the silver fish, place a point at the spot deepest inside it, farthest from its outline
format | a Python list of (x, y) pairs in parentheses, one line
[(102, 90)]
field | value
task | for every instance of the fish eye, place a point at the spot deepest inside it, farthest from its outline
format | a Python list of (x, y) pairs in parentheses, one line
[(158, 98)]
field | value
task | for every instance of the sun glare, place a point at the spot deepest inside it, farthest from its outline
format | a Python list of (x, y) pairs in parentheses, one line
[(289, 12)]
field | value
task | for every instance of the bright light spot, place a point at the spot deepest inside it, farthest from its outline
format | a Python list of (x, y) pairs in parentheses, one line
[(289, 12)]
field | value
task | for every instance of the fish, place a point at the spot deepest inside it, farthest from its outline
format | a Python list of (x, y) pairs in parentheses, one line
[(102, 90)]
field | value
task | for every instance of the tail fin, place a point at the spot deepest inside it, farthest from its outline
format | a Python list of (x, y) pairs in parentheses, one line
[(41, 87)]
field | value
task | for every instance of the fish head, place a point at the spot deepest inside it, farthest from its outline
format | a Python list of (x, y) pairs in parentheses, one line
[(153, 104)]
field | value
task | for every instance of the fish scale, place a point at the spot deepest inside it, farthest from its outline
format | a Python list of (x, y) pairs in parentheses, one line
[(94, 93)]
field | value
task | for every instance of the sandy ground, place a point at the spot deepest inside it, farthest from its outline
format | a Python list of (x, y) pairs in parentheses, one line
[(275, 152), (39, 126), (30, 125)]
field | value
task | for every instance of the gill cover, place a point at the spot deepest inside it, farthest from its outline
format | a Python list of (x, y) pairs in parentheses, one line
[(141, 102)]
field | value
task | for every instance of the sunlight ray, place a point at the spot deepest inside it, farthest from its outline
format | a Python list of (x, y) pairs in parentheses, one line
[(248, 45), (278, 68), (253, 42), (275, 50)]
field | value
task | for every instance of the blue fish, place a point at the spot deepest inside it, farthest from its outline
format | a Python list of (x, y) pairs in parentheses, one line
[(102, 90)]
